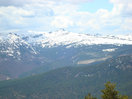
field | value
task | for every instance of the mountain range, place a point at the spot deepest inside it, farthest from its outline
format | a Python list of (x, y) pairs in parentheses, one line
[(24, 54)]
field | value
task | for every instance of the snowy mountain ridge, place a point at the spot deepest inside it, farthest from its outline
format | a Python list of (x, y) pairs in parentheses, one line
[(62, 37), (11, 44)]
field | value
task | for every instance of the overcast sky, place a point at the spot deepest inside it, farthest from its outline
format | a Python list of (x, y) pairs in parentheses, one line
[(82, 16)]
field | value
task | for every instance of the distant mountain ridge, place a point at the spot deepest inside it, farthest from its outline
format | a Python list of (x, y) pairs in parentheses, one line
[(43, 51), (57, 38)]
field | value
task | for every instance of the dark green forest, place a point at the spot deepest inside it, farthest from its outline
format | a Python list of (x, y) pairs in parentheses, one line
[(72, 82)]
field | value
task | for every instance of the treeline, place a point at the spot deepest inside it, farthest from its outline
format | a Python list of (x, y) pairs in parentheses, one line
[(109, 92)]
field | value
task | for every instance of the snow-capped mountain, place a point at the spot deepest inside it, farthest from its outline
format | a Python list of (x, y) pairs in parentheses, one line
[(12, 45), (62, 37), (42, 51)]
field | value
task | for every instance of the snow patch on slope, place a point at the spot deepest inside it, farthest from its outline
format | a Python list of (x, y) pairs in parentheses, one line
[(109, 50)]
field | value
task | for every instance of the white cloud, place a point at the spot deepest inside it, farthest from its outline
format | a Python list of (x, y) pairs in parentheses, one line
[(29, 17), (62, 22), (127, 24), (122, 7), (49, 14), (24, 2), (121, 1)]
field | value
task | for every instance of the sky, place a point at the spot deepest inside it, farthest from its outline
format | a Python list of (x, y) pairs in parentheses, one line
[(82, 16)]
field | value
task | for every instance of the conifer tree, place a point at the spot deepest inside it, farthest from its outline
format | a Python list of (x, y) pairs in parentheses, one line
[(110, 93), (89, 96)]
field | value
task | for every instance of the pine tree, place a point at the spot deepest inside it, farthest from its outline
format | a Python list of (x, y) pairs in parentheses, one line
[(110, 93), (123, 97), (89, 97)]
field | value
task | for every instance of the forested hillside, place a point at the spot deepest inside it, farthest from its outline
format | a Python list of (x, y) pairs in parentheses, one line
[(72, 82)]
